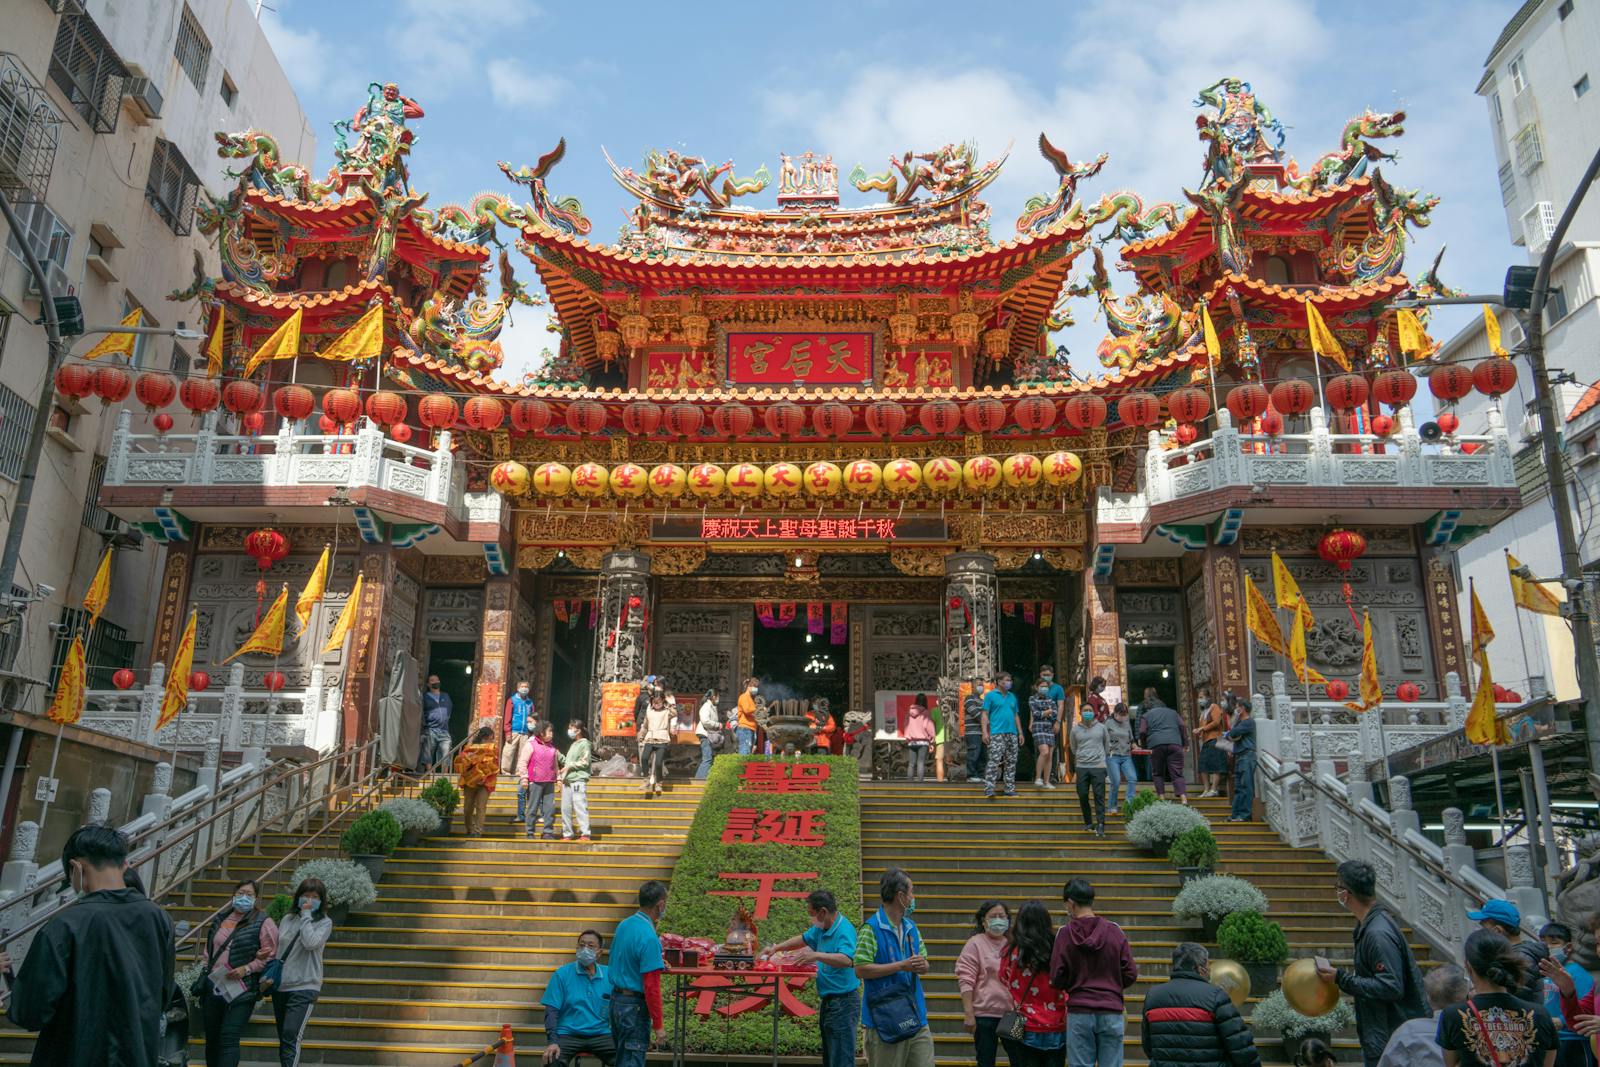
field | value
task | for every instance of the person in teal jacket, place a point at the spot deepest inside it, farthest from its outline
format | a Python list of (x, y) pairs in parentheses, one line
[(575, 783)]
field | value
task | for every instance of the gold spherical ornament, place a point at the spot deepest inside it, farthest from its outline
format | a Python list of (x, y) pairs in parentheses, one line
[(668, 481), (863, 477), (902, 476), (1306, 991), (745, 480), (1021, 471), (628, 480), (706, 480), (980, 474), (552, 479), (1231, 977), (781, 480), (941, 474), (1062, 468), (589, 479), (823, 479)]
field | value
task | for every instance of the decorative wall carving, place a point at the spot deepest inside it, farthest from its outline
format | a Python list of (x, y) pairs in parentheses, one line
[(732, 563), (919, 562), (457, 570), (1302, 540), (302, 538), (1162, 603), (679, 560), (694, 670), (908, 669), (867, 590), (1149, 631), (916, 622), (680, 620), (860, 564), (1130, 572)]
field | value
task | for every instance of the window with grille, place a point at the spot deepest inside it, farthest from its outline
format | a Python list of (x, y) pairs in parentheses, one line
[(11, 635), (107, 649), (16, 418), (1538, 223), (228, 90), (85, 67), (1499, 109), (172, 187), (193, 50), (96, 517), (1555, 305), (1508, 183), (1529, 148), (47, 234)]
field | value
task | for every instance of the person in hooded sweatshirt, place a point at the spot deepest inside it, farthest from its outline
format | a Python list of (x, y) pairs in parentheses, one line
[(1093, 962), (98, 974)]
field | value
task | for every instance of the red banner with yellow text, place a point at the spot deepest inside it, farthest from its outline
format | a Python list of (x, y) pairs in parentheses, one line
[(800, 358)]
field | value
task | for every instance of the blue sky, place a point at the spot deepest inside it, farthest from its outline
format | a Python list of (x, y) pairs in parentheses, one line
[(504, 79)]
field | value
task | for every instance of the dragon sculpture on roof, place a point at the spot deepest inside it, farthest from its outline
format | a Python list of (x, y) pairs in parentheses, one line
[(466, 332), (1041, 212), (1355, 152), (1142, 328), (676, 178), (268, 172), (943, 172), (1383, 253), (475, 222)]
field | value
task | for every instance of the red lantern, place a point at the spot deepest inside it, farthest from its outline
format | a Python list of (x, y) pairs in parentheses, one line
[(1341, 547), (199, 681), (123, 679), (642, 418), (1187, 433), (1494, 377), (386, 408), (343, 406), (685, 419), (401, 432), (484, 413), (1139, 409), (784, 419), (586, 417), (733, 419), (1382, 425), (529, 415), (984, 416), (241, 398), (437, 411), (1293, 397), (1450, 382), (254, 422), (1247, 401), (940, 417), (162, 422), (112, 384), (886, 418), (1347, 392), (266, 546), (273, 681), (1408, 692), (155, 390), (1084, 411), (199, 395), (74, 380), (1470, 448), (1336, 689), (1188, 404), (1035, 414), (832, 419), (1270, 422), (1448, 421), (293, 402), (326, 424), (1395, 387)]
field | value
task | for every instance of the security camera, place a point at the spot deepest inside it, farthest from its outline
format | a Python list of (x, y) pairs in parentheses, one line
[(59, 628), (44, 591)]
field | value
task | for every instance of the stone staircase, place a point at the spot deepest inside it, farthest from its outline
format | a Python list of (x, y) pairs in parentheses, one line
[(961, 850)]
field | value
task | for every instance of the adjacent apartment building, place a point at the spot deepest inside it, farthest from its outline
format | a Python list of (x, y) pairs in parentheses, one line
[(1541, 86), (137, 92)]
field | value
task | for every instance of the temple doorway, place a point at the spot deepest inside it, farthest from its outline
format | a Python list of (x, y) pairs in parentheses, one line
[(452, 662), (571, 670), (795, 664)]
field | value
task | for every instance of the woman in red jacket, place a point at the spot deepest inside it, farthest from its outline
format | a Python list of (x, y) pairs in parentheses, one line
[(1025, 970)]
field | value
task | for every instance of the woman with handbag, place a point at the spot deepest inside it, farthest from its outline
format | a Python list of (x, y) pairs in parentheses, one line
[(984, 998), (294, 977), (709, 731), (238, 947), (1034, 1031)]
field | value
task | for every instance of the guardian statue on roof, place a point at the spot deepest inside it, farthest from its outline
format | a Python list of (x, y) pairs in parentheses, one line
[(1239, 132), (382, 139)]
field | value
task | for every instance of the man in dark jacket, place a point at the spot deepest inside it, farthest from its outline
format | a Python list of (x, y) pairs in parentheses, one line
[(1093, 962), (1188, 1022), (1385, 982), (1162, 731), (98, 975)]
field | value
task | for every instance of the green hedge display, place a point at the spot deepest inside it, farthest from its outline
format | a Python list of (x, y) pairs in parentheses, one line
[(1196, 847), (377, 833), (1250, 937), (692, 912), (1141, 800), (443, 796)]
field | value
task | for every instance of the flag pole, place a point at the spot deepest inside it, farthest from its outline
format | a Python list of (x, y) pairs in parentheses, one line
[(55, 751)]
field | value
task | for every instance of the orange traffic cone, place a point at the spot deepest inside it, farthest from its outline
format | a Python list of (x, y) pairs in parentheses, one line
[(507, 1056)]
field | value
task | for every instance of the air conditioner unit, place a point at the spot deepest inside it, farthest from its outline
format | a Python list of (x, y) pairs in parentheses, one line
[(1529, 430), (144, 97), (60, 284)]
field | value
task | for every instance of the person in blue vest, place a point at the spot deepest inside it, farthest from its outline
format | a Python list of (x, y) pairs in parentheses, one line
[(830, 943), (636, 966), (519, 724), (577, 1007), (890, 963)]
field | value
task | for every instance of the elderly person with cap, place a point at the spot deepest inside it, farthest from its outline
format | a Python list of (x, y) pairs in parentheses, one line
[(1415, 1043), (1190, 1022), (1503, 917)]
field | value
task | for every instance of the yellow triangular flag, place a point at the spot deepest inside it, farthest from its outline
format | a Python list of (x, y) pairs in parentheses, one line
[(118, 344), (347, 618), (67, 706), (1482, 632), (1482, 726), (364, 340), (1286, 592), (268, 636), (283, 344), (1532, 595), (1414, 340), (214, 348), (1371, 685), (176, 697), (94, 601), (1491, 327), (1323, 343), (311, 595), (1213, 346), (1259, 617), (1307, 674)]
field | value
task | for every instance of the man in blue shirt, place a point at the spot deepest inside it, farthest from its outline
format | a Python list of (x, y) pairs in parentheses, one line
[(436, 711), (636, 967), (830, 943), (577, 1007), (1000, 736), (890, 960)]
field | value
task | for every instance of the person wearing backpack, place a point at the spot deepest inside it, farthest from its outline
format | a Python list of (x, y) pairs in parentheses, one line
[(296, 980), (238, 947), (890, 962)]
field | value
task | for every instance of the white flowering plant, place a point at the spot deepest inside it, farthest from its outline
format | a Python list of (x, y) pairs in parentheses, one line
[(1274, 1013), (418, 816), (1216, 897), (348, 883), (1161, 823)]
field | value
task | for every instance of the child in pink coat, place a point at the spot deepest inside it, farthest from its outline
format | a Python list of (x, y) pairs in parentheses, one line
[(919, 734)]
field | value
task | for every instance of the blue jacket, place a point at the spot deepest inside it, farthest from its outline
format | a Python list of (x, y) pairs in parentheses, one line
[(436, 711), (891, 949), (1244, 737), (521, 709)]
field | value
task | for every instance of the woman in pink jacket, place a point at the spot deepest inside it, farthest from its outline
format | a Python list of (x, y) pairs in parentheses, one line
[(984, 997), (919, 733), (542, 759)]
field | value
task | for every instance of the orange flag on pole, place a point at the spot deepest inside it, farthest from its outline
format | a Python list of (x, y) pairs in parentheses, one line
[(94, 601), (284, 343), (118, 344), (67, 706), (1530, 594), (1307, 674), (1323, 343), (1286, 591), (1260, 620), (267, 639), (1371, 685), (176, 697)]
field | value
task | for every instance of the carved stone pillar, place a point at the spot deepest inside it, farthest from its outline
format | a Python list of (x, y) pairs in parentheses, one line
[(621, 637), (1230, 666), (172, 601), (1445, 624), (494, 647), (1105, 636), (972, 626), (366, 673)]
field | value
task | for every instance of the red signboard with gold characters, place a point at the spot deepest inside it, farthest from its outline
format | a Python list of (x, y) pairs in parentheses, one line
[(800, 358)]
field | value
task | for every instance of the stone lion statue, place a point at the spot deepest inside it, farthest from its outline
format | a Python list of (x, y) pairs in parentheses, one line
[(1578, 899)]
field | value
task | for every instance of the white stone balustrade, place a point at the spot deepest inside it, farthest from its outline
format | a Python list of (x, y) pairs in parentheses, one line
[(1322, 729)]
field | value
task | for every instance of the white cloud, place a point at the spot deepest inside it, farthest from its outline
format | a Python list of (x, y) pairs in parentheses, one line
[(309, 59), (523, 341), (447, 56), (512, 85)]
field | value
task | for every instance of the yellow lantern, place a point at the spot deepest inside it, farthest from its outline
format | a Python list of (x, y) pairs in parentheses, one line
[(782, 480), (1021, 471), (980, 474), (942, 474), (552, 479), (706, 480), (628, 480), (901, 476), (1062, 468), (823, 479), (862, 477), (509, 479), (745, 480), (668, 481), (589, 479)]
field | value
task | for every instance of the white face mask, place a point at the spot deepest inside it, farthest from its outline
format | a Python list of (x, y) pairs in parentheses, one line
[(522, 690), (572, 735)]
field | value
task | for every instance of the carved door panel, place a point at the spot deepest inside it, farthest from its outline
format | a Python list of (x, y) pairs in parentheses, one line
[(698, 648), (904, 649)]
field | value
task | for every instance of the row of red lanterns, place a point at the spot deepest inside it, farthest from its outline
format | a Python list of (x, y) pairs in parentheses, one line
[(199, 681)]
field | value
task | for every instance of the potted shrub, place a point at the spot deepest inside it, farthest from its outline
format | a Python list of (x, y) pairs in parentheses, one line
[(1274, 1013), (445, 798), (281, 905), (1210, 900), (416, 818), (1258, 944), (1141, 800), (1159, 824), (1194, 852), (370, 839), (349, 885)]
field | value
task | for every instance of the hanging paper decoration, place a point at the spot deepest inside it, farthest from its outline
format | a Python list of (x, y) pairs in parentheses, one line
[(814, 617), (562, 615), (841, 622), (1029, 612), (764, 613), (1010, 608), (594, 614), (1047, 614)]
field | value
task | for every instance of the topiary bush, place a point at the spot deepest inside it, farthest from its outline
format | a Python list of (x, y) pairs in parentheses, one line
[(281, 905), (1159, 824), (349, 884), (1195, 847), (415, 816), (1141, 800), (1274, 1013), (1217, 896), (444, 797), (377, 833), (1249, 937)]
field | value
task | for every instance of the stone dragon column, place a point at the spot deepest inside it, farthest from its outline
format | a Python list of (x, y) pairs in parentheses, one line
[(621, 646), (972, 626)]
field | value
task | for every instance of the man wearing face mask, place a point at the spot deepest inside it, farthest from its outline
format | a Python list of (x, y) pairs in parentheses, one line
[(436, 711), (518, 726), (636, 966), (97, 976), (1090, 744), (1000, 737), (577, 1007), (1385, 982), (830, 943), (890, 961)]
